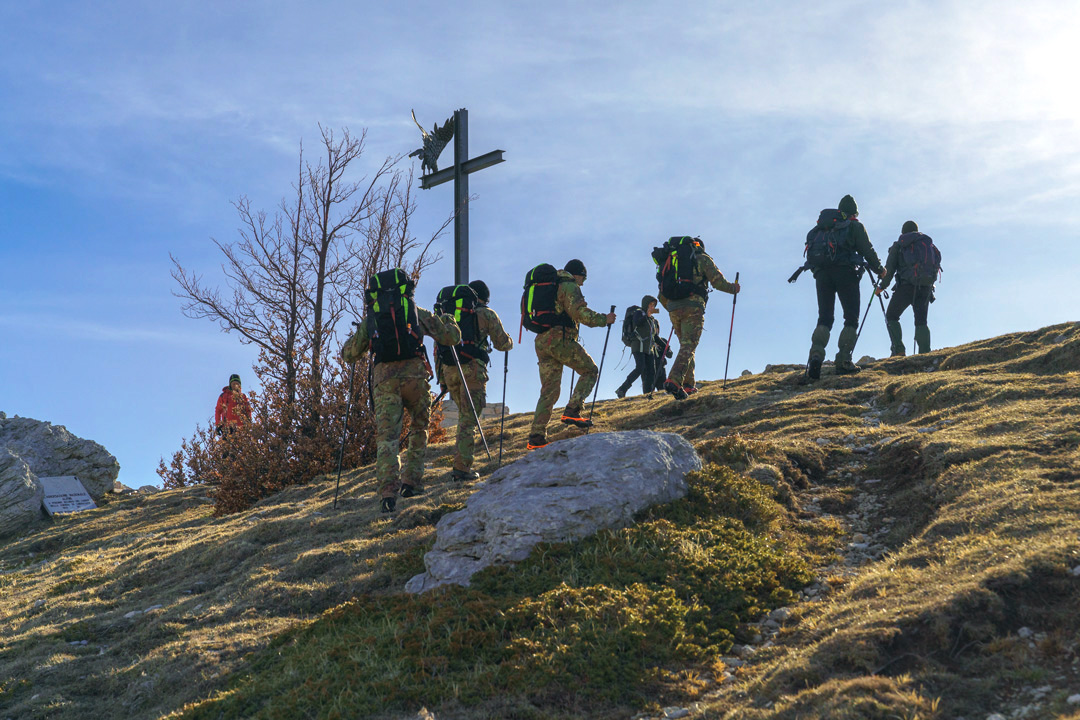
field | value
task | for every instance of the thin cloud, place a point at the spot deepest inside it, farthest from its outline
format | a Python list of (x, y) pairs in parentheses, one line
[(101, 332)]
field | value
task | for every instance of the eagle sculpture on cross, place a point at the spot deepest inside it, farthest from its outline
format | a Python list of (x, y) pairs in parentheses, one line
[(434, 142)]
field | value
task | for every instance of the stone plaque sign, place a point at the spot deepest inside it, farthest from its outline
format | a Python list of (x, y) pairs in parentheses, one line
[(65, 495)]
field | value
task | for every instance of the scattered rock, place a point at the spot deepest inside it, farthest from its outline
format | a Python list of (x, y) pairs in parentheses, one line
[(743, 652), (1076, 571), (133, 613), (671, 713), (152, 608), (1074, 699), (565, 491), (905, 409), (781, 614), (866, 360), (822, 441), (766, 474), (744, 373), (995, 716), (37, 604), (149, 489), (1026, 633)]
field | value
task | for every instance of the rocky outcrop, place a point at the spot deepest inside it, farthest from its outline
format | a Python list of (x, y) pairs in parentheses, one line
[(563, 492), (30, 449), (20, 492)]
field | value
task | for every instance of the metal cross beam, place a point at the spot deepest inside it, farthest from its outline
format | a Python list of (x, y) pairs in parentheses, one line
[(459, 173)]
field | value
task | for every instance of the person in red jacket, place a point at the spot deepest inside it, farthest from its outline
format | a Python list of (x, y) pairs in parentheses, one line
[(233, 408)]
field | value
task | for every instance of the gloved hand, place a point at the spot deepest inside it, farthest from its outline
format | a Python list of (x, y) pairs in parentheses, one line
[(668, 354)]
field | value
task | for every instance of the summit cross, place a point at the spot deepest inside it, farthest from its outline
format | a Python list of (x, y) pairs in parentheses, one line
[(459, 173)]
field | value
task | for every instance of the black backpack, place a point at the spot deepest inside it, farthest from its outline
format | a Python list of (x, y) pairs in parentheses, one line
[(460, 302), (393, 324), (920, 260), (538, 312), (629, 325), (829, 242), (676, 262)]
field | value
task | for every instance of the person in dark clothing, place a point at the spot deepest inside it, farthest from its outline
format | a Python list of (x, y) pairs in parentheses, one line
[(838, 276), (648, 349), (914, 287)]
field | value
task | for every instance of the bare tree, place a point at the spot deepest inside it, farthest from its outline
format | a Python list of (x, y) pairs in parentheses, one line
[(292, 278)]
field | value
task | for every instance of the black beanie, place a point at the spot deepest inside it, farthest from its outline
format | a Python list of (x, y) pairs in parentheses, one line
[(481, 289), (235, 377), (848, 206), (646, 301), (909, 226), (576, 267)]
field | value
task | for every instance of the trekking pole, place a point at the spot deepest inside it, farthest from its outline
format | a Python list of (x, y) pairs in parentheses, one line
[(730, 332), (865, 314), (344, 432), (600, 371), (465, 387), (502, 414)]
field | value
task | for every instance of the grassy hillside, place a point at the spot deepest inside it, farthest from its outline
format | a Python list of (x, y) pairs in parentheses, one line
[(917, 525)]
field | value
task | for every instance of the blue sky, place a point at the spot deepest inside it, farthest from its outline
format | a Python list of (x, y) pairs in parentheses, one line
[(127, 129)]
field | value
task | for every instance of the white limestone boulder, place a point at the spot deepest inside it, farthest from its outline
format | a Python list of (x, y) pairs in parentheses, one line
[(563, 492)]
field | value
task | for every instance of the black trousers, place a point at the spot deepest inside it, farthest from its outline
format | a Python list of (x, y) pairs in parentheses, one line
[(649, 369), (905, 294), (834, 282)]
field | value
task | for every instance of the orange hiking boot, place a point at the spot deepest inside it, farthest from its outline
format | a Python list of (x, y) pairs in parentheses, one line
[(572, 416), (535, 442)]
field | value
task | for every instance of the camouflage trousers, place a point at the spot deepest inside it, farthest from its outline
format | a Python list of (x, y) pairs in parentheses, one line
[(476, 378), (553, 352), (392, 397), (688, 324)]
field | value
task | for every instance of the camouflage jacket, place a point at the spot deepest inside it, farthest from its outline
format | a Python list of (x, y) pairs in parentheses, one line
[(569, 300), (442, 328), (490, 327), (705, 270)]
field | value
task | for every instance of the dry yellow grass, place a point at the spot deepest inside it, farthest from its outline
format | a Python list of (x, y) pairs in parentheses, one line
[(973, 454)]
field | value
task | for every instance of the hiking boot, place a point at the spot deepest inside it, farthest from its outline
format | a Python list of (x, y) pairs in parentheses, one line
[(408, 491), (813, 367), (387, 505), (580, 422), (620, 393), (675, 389), (536, 442), (846, 367), (898, 353), (572, 416), (689, 389), (463, 475)]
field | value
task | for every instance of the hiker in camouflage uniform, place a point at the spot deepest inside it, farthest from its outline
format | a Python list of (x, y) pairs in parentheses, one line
[(398, 385), (476, 378), (688, 321), (918, 292), (559, 347), (841, 280)]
